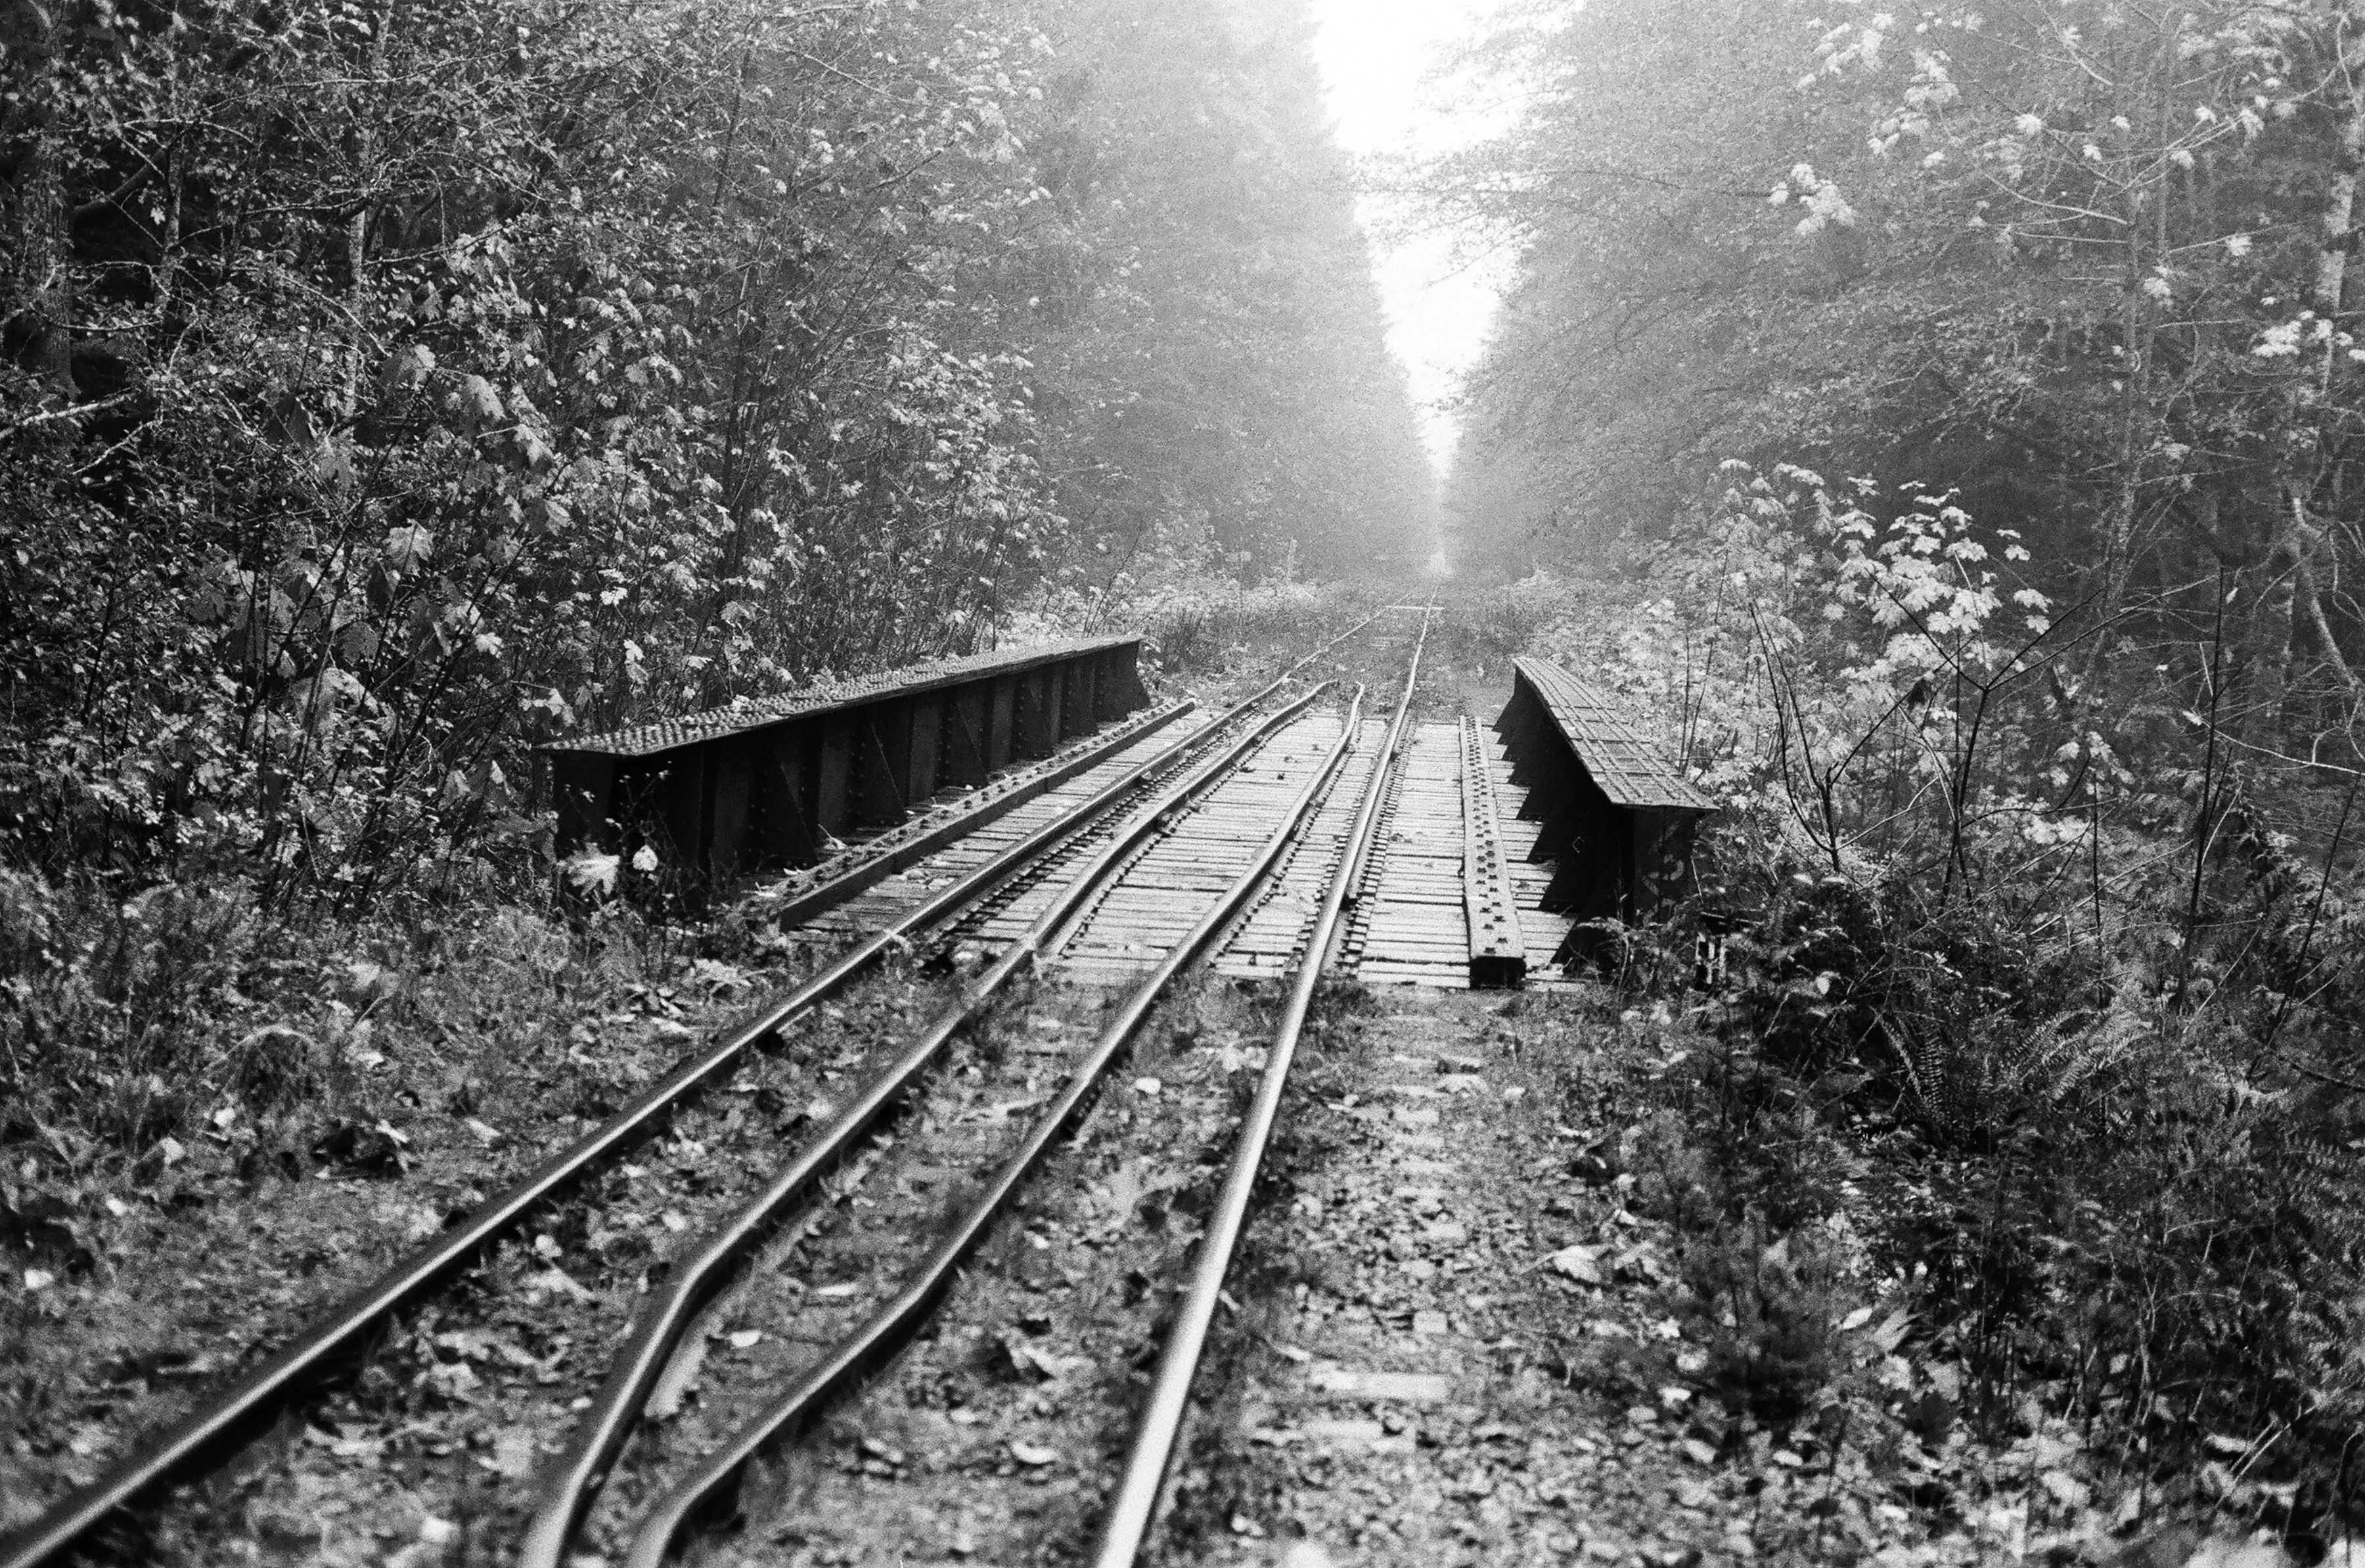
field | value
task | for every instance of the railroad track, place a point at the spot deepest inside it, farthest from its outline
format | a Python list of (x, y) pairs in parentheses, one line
[(1202, 826)]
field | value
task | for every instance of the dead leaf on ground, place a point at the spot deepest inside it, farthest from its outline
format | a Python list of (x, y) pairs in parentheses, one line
[(1579, 1262), (514, 1451)]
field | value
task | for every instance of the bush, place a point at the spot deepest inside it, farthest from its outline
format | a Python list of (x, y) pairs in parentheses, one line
[(1769, 1304), (2099, 1209), (106, 1023)]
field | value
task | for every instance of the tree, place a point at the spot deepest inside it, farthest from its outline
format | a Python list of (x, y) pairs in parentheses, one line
[(385, 387), (2050, 254), (1224, 367)]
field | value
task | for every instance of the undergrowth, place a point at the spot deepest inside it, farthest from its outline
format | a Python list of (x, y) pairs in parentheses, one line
[(2075, 1203), (2034, 1018), (130, 1029)]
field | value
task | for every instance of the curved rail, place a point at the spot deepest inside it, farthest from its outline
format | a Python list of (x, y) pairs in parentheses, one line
[(208, 1435), (694, 1280), (865, 1346), (1132, 1513)]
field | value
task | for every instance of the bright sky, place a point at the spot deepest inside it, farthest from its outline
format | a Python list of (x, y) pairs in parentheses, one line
[(1375, 56)]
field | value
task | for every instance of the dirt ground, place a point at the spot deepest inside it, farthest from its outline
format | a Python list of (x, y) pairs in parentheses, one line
[(1460, 1349)]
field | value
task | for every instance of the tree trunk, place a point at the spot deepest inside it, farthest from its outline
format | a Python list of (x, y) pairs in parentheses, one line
[(2297, 549), (2340, 202), (367, 180)]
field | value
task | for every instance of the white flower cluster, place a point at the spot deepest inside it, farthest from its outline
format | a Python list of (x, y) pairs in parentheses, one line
[(1821, 197), (1847, 45), (1929, 92), (2307, 330), (2008, 154), (1932, 87)]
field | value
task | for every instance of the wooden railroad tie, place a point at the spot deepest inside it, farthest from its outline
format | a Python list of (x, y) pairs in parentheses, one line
[(1498, 956)]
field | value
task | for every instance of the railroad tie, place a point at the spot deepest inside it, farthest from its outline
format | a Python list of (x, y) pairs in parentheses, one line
[(1498, 955)]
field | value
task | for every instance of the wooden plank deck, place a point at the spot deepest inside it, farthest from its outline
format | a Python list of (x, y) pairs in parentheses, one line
[(883, 901), (1410, 926), (1414, 927), (1171, 882)]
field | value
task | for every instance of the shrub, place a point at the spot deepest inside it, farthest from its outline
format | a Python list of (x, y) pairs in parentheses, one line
[(1769, 1306), (105, 1022)]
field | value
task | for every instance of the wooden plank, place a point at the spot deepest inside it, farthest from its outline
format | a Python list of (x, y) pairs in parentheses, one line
[(834, 779), (1107, 683), (681, 807), (891, 723), (784, 833), (878, 787), (733, 805), (1411, 924), (928, 719), (1002, 730), (1498, 954), (1080, 711), (963, 754)]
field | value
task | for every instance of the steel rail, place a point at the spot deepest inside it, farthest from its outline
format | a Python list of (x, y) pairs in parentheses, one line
[(868, 863), (208, 1435), (1135, 1507), (716, 1473), (1334, 641), (694, 1280), (1058, 941), (1359, 862)]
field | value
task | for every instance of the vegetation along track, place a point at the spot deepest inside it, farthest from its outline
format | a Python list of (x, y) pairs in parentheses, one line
[(1079, 852)]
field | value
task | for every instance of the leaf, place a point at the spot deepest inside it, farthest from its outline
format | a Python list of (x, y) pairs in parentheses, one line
[(479, 402), (357, 642), (332, 460), (407, 367), (590, 871), (2065, 1488), (1580, 1263), (557, 1281), (1889, 1332), (719, 976), (408, 548), (1032, 1455)]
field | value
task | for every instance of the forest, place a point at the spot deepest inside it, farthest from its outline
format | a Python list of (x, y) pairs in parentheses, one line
[(391, 387), (1966, 403), (1942, 428)]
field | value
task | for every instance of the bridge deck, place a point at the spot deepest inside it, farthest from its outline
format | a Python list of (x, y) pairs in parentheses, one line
[(1415, 925)]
